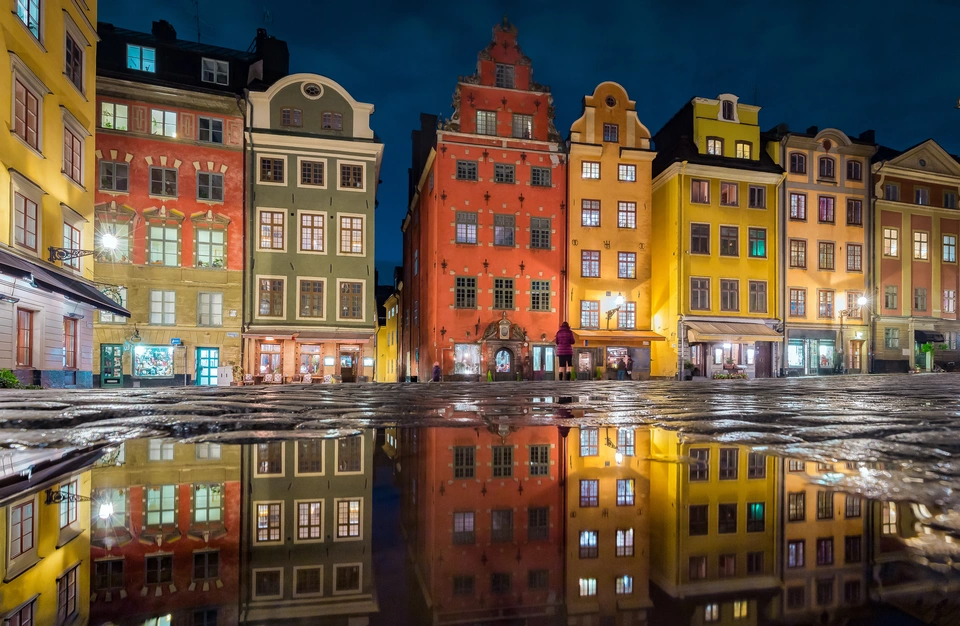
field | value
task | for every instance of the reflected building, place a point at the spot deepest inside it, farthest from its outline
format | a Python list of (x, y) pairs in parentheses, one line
[(482, 513), (608, 521), (165, 536), (714, 512), (308, 517)]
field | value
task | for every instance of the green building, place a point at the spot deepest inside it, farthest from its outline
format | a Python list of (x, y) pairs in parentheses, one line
[(314, 163)]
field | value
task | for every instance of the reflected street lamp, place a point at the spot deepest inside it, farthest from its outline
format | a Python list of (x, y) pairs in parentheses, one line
[(861, 301)]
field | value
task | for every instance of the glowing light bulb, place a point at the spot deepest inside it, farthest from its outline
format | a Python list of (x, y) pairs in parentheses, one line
[(106, 510), (619, 457), (109, 241), (862, 300), (620, 300)]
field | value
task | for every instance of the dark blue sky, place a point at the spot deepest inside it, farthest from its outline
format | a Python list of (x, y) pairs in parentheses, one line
[(852, 64)]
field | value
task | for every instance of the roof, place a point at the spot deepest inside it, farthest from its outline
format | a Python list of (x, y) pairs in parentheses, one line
[(686, 150), (107, 29)]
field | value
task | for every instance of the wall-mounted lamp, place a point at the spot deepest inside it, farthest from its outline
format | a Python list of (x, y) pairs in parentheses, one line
[(9, 299)]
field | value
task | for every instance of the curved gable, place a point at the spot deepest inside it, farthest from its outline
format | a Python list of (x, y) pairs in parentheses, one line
[(333, 100)]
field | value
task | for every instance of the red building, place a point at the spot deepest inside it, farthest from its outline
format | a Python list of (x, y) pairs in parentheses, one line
[(484, 236)]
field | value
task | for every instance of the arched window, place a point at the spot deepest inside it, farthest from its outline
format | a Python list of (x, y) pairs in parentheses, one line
[(504, 360), (727, 110), (798, 163), (854, 170), (828, 167)]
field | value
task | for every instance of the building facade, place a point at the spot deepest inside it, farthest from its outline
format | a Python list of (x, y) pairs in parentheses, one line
[(715, 220), (484, 236), (387, 345), (825, 256), (915, 243), (170, 199), (609, 235), (47, 173), (314, 164)]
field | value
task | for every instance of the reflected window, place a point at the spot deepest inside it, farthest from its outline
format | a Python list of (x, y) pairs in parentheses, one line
[(311, 359), (466, 358), (502, 461), (852, 506), (589, 441), (589, 492), (756, 517), (463, 461), (267, 583), (796, 506), (108, 574), (159, 569), (310, 456), (795, 550), (625, 542), (310, 520), (699, 518), (727, 566), (206, 565), (538, 524), (463, 585), (588, 587), (504, 361), (346, 578), (796, 466), (700, 467), (740, 610), (853, 549), (161, 505), (756, 465), (307, 581), (160, 450), (825, 592), (825, 551), (540, 460), (463, 528), (625, 441), (729, 463), (727, 518), (624, 585), (207, 503), (538, 579), (796, 597), (625, 492), (698, 567), (349, 454), (207, 451), (269, 516), (824, 505), (500, 583), (270, 458), (153, 362), (888, 517), (754, 563), (851, 591), (348, 519), (711, 613)]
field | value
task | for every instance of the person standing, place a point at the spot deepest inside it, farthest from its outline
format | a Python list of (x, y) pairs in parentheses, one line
[(621, 369), (629, 367), (565, 341), (436, 372)]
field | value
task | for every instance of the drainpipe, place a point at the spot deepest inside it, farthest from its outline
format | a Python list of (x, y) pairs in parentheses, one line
[(873, 287), (680, 263), (247, 112), (782, 265)]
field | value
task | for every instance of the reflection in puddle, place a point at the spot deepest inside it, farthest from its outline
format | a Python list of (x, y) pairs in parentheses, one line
[(577, 525)]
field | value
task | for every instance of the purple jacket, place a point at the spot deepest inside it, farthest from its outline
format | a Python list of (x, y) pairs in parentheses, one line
[(565, 341)]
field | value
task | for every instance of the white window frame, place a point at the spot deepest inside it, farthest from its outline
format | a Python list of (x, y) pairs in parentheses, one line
[(286, 235), (32, 82), (326, 233), (216, 71), (326, 306), (163, 130), (363, 238), (296, 519), (364, 176), (363, 295), (253, 574), (256, 306), (323, 447), (336, 519), (326, 172), (296, 570), (336, 566), (336, 454), (41, 6), (212, 314), (71, 29), (29, 190), (283, 469), (126, 58), (113, 115), (163, 312), (286, 170)]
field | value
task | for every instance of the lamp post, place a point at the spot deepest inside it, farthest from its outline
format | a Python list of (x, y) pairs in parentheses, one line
[(861, 301), (619, 302)]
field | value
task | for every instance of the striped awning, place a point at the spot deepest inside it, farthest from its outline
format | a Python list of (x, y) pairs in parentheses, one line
[(732, 332)]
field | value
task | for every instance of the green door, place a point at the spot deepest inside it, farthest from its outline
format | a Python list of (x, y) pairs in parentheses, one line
[(208, 360), (111, 365)]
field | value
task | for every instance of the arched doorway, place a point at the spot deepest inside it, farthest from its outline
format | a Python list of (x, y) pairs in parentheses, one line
[(504, 361)]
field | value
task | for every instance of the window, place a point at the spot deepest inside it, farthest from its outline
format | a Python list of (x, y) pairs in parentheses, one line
[(726, 517), (589, 491), (757, 242), (949, 301), (700, 467), (267, 583), (67, 596), (826, 258), (589, 314), (920, 299), (271, 297), (729, 295), (501, 525), (626, 214), (627, 173), (626, 489), (306, 581), (539, 460), (162, 505), (852, 505), (624, 542), (729, 463), (851, 591), (827, 212), (758, 197), (71, 241), (163, 307), (466, 170), (463, 585), (754, 562), (796, 506), (291, 117), (852, 549), (798, 206), (891, 191), (588, 544), (698, 567), (589, 441), (798, 163), (626, 264), (540, 233), (624, 585), (950, 248), (700, 294), (627, 316), (503, 173), (539, 295), (729, 241), (141, 58), (758, 296), (590, 263), (590, 170), (331, 121), (891, 337), (465, 293), (114, 176), (504, 230), (589, 212), (922, 195), (463, 528), (798, 253), (824, 505), (160, 450), (271, 230), (26, 114), (348, 518), (351, 176), (106, 575), (351, 235), (505, 76), (502, 461), (464, 461), (715, 146), (854, 257), (920, 246), (828, 167), (272, 170), (466, 227), (729, 194), (727, 110), (854, 170), (503, 292), (891, 241), (798, 302), (700, 191), (216, 72), (740, 609), (163, 182), (825, 592), (744, 150), (795, 551), (210, 309), (796, 597), (210, 186), (163, 123), (72, 160), (311, 232), (825, 297), (269, 458), (522, 126), (486, 122), (699, 519), (700, 238), (206, 565), (755, 517), (68, 506), (588, 587), (854, 213), (540, 177), (210, 130), (113, 116)]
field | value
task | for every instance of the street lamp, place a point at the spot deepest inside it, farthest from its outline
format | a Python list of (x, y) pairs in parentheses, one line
[(104, 512), (861, 301), (619, 303), (108, 244)]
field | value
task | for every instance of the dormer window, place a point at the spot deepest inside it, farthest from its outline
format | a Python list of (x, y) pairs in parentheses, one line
[(216, 72), (505, 76), (744, 150), (332, 121), (727, 110), (828, 167), (141, 58), (291, 117), (798, 163)]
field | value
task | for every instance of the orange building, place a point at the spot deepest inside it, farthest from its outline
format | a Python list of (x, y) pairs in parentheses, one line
[(484, 235)]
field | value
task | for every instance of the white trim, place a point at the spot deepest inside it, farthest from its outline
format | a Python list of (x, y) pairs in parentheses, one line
[(334, 148), (286, 237), (323, 460), (31, 191), (254, 528), (326, 229), (261, 101), (303, 90), (256, 306), (345, 591), (336, 519), (323, 318), (286, 173), (296, 517), (70, 28), (283, 464), (336, 458), (296, 570), (363, 233), (326, 172), (363, 296), (340, 164), (253, 574)]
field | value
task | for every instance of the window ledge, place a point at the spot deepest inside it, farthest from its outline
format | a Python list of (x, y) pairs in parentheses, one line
[(156, 197), (79, 90), (20, 567), (28, 31), (75, 183), (69, 533), (35, 151), (112, 192), (210, 202)]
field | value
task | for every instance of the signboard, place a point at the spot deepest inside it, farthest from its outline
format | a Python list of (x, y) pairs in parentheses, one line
[(175, 341), (233, 335)]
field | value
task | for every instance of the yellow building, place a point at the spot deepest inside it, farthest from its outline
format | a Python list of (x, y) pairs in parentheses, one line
[(47, 176), (608, 257), (387, 348), (824, 543), (715, 224), (608, 525), (714, 518), (824, 203), (46, 563)]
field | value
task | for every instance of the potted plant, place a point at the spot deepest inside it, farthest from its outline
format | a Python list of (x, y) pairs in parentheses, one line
[(237, 375), (687, 370)]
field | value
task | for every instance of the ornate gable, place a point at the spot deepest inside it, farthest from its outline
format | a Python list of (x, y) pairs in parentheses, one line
[(927, 157)]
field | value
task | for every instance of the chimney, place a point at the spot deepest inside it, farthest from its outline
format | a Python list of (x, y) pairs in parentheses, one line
[(869, 136), (274, 54), (813, 130), (164, 30)]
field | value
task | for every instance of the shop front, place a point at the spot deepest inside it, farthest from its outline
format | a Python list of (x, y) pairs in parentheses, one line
[(819, 352), (926, 344), (731, 348), (603, 353), (504, 352), (307, 358)]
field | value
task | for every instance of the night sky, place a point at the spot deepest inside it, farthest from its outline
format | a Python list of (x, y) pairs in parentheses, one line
[(851, 64)]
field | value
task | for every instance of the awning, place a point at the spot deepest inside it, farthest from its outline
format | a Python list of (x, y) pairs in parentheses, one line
[(622, 337), (50, 279), (733, 332), (928, 336), (310, 336), (803, 333)]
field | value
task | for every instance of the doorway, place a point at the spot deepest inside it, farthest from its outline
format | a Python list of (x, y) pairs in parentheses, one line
[(348, 365), (208, 360), (111, 365), (543, 363)]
